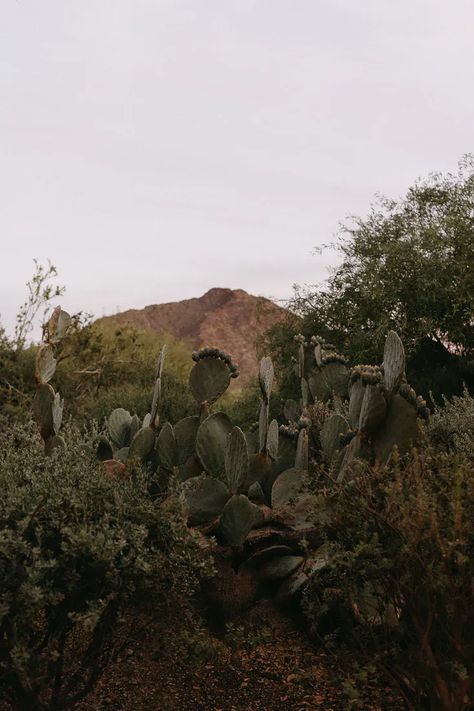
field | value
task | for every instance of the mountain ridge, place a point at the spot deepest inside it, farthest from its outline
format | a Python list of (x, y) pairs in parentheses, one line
[(230, 319)]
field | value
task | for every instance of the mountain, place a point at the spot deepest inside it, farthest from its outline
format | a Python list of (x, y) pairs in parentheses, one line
[(230, 319)]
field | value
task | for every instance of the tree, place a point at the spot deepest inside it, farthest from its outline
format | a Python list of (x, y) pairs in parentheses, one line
[(408, 266)]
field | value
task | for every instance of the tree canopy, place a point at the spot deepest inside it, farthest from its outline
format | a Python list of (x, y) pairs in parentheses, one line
[(407, 266)]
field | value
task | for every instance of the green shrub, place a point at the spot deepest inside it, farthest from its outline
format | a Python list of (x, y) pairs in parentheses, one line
[(243, 406), (77, 551), (17, 386), (451, 427), (398, 586)]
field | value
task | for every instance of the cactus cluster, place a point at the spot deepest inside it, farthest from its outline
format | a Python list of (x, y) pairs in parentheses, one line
[(169, 450), (249, 490), (384, 413), (229, 483), (323, 372)]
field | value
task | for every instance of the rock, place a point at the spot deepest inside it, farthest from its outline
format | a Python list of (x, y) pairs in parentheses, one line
[(114, 469)]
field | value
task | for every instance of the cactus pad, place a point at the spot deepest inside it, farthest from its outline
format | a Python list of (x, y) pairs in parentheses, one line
[(400, 428), (43, 410), (238, 518), (185, 432), (305, 391), (292, 587), (121, 455), (167, 447), (260, 469), (330, 435), (265, 376), (263, 426), (301, 457), (204, 499), (355, 450), (280, 567), (209, 379), (265, 554), (155, 405), (191, 468), (292, 410), (135, 425), (393, 362), (57, 409), (119, 426), (255, 493), (373, 408), (272, 439), (236, 460), (318, 355), (318, 386), (45, 364), (58, 325), (52, 443), (104, 450), (355, 402), (337, 377), (287, 486), (142, 443), (211, 441)]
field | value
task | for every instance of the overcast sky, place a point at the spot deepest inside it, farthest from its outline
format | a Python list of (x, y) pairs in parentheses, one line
[(153, 149)]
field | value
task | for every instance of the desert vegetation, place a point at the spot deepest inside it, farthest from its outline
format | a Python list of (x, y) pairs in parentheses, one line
[(138, 492)]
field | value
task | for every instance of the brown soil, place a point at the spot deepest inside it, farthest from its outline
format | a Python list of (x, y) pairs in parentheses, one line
[(263, 664)]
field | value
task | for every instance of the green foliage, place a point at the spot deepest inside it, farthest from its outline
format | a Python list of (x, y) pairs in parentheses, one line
[(397, 588), (451, 427), (204, 499), (238, 518), (407, 266), (102, 522), (77, 549), (211, 442), (16, 383), (102, 367), (243, 407), (41, 290)]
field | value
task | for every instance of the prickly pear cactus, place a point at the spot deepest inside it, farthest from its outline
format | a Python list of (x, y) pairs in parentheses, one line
[(238, 518), (211, 376), (330, 436), (211, 441), (156, 402), (322, 371), (236, 460), (384, 412), (47, 405)]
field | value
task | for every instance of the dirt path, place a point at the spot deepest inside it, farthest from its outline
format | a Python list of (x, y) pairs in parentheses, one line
[(263, 664)]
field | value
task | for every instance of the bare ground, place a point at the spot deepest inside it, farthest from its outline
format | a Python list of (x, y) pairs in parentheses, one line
[(262, 664)]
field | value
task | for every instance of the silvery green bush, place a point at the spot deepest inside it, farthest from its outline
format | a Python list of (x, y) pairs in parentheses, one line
[(451, 427), (77, 548)]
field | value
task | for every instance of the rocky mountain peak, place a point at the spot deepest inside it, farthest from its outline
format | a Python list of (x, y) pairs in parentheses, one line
[(230, 319)]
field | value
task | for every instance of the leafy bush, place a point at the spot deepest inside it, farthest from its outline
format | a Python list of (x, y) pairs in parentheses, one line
[(77, 551), (406, 266), (452, 426), (16, 383), (99, 369), (398, 586)]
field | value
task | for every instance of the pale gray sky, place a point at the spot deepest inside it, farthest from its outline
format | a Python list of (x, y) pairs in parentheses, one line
[(153, 149)]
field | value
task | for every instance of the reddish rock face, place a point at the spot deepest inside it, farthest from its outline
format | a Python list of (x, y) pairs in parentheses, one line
[(229, 319)]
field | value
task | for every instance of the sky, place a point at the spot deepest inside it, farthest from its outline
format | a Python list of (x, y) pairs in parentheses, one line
[(153, 149)]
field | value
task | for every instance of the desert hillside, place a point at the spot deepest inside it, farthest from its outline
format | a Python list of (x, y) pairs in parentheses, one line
[(230, 319)]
